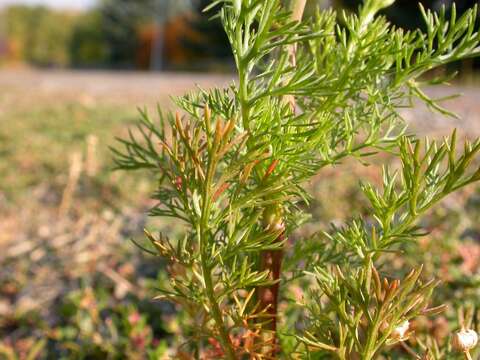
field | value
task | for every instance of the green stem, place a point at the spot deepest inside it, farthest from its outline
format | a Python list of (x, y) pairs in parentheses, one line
[(216, 313), (206, 268), (243, 97), (370, 349)]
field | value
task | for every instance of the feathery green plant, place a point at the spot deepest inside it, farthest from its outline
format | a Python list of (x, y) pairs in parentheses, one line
[(233, 162)]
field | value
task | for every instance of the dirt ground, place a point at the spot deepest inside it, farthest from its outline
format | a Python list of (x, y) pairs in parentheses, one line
[(21, 88), (94, 87)]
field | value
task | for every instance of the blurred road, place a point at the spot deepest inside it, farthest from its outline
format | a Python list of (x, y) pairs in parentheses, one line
[(142, 88), (136, 88)]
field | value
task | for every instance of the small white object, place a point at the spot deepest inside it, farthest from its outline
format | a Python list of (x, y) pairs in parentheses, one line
[(464, 340), (400, 331)]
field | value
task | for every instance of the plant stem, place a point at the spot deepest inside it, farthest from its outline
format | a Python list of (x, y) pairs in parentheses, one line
[(271, 260), (297, 7), (370, 350), (216, 313), (409, 350), (243, 95), (225, 340)]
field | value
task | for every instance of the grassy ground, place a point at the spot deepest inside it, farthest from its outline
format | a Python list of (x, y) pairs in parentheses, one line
[(47, 117), (73, 286), (66, 218), (38, 142)]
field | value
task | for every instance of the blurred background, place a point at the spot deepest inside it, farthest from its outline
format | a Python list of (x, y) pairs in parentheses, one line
[(137, 35), (72, 74)]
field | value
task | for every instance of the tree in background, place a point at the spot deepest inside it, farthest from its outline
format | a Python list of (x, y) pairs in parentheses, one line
[(213, 44), (146, 34), (88, 46), (119, 23), (38, 35), (122, 20)]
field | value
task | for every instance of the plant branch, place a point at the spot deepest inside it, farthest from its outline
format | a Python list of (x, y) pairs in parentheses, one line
[(297, 7), (271, 260), (206, 269)]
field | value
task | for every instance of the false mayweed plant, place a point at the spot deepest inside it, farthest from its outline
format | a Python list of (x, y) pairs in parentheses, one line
[(232, 164)]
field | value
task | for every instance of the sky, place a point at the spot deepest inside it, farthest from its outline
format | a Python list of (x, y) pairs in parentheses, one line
[(62, 4)]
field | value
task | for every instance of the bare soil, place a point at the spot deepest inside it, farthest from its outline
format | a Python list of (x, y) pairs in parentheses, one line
[(20, 88)]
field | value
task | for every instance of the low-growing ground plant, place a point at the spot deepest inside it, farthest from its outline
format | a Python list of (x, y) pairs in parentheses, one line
[(232, 165)]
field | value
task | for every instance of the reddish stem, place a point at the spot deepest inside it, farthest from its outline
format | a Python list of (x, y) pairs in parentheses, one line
[(271, 261)]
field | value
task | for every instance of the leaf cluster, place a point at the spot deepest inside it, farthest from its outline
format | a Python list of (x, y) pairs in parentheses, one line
[(368, 310), (231, 165)]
